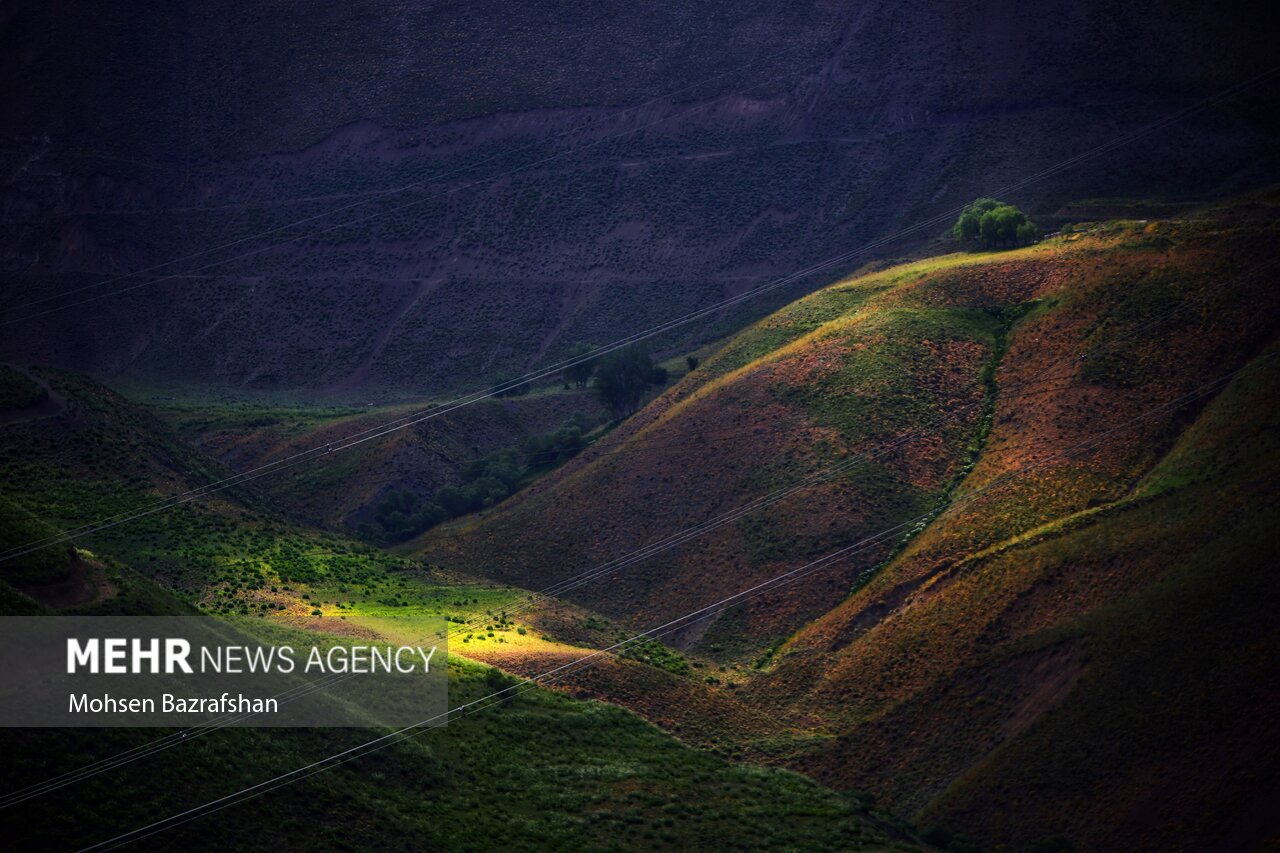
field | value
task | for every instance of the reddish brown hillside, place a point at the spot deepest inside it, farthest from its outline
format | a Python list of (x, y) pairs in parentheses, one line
[(1041, 653), (1088, 611), (895, 360)]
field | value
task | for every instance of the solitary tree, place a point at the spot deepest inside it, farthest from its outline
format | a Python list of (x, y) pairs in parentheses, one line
[(989, 223)]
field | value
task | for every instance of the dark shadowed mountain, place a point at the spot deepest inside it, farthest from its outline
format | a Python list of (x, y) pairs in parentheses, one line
[(419, 196)]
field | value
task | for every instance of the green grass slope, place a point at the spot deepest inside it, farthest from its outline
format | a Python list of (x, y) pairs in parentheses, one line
[(542, 771), (1081, 651), (911, 359)]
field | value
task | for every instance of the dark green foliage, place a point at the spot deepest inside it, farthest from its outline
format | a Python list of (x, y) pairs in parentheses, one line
[(989, 223), (486, 491), (577, 776), (656, 654), (485, 482), (403, 514), (623, 376), (579, 374), (492, 478), (500, 465), (542, 453), (691, 361), (495, 680), (453, 500)]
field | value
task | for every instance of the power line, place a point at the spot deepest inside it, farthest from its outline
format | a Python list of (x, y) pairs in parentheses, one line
[(404, 733), (1022, 389), (459, 402)]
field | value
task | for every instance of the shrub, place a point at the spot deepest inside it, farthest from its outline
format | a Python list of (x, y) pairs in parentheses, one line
[(453, 500), (495, 680)]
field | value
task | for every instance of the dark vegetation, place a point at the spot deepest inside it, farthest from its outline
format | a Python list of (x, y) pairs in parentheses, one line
[(588, 775), (624, 376), (655, 653), (486, 481), (579, 373)]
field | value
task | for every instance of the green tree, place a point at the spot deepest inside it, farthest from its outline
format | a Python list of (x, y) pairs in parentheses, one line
[(544, 452), (579, 374), (622, 377), (496, 680), (1026, 233), (989, 223), (402, 514), (968, 226), (454, 501)]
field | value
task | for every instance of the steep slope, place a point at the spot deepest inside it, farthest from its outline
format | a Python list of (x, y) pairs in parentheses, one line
[(100, 457), (423, 457), (534, 178), (1103, 675), (900, 365), (710, 443)]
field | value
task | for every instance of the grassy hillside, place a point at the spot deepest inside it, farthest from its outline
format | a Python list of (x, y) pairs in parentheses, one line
[(903, 364), (1102, 676), (102, 456), (1022, 666), (543, 770)]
